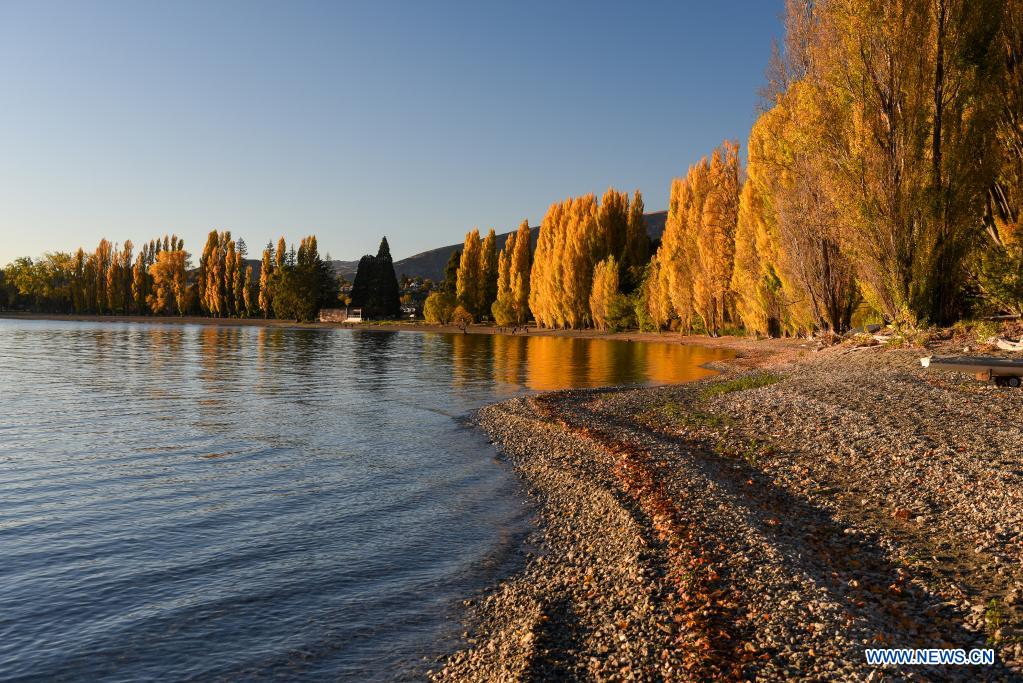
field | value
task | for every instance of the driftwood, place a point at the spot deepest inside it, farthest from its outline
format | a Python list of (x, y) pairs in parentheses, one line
[(1006, 345)]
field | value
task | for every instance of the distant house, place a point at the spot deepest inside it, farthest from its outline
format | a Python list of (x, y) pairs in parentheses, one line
[(409, 310), (340, 315)]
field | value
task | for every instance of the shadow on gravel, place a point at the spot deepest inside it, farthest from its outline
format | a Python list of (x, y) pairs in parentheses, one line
[(557, 643), (852, 567)]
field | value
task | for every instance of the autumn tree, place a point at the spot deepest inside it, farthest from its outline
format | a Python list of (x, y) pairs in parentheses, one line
[(904, 86), (440, 307), (249, 294), (266, 272), (697, 252), (171, 291), (471, 285), (637, 245), (518, 272), (462, 319), (603, 292), (998, 265), (791, 273), (503, 308), (575, 235), (488, 272), (654, 309)]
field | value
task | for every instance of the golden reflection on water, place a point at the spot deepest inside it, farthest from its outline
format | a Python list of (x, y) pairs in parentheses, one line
[(274, 361), (547, 363)]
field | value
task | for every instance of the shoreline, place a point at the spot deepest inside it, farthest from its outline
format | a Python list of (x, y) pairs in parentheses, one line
[(771, 522), (743, 346)]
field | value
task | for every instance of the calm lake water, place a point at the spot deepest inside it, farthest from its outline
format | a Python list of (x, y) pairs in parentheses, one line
[(185, 502)]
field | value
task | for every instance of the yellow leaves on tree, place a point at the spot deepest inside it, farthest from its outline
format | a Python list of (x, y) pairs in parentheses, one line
[(698, 246), (655, 294), (715, 239), (469, 288), (518, 272), (170, 284), (603, 292), (266, 271), (511, 305), (575, 235)]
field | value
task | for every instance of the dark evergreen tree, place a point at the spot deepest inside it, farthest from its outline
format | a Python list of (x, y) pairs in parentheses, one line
[(450, 283), (375, 289)]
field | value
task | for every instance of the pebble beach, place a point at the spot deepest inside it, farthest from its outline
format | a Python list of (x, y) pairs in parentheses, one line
[(770, 523)]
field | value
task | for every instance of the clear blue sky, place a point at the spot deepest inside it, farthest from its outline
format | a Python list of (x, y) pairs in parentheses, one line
[(351, 120)]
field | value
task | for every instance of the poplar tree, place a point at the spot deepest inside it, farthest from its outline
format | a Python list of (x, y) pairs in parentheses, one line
[(655, 299), (488, 273), (909, 150), (518, 273), (503, 308), (249, 294), (698, 244), (231, 272), (470, 285), (171, 292), (603, 292), (266, 272)]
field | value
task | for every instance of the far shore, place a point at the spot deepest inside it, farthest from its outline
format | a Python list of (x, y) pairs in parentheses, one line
[(747, 345)]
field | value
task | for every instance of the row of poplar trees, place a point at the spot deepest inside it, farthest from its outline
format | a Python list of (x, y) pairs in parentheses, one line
[(884, 176), (111, 279), (159, 280)]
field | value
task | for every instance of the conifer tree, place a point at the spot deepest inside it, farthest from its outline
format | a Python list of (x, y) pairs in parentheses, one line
[(637, 245), (375, 289), (450, 283)]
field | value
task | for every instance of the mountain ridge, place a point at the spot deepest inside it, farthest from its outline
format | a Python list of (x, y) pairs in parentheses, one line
[(430, 264)]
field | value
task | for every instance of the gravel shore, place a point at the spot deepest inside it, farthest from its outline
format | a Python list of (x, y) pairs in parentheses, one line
[(771, 523)]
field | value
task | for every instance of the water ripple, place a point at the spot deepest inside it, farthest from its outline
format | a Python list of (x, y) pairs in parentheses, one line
[(214, 503)]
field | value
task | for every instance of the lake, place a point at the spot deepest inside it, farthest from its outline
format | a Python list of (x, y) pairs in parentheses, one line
[(199, 502)]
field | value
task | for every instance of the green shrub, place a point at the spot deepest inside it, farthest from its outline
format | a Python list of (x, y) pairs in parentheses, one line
[(439, 308), (620, 314)]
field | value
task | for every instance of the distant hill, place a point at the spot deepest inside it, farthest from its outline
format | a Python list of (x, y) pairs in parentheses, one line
[(430, 264)]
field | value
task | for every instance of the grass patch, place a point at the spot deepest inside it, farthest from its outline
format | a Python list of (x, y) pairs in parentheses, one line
[(993, 620), (676, 414), (744, 383)]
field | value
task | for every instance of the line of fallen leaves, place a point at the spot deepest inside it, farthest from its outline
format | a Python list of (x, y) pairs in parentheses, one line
[(707, 625)]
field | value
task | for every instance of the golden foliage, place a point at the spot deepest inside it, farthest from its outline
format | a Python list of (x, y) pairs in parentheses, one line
[(575, 235), (470, 284), (170, 284), (698, 246), (603, 292)]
